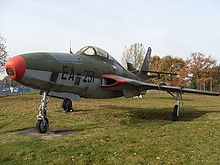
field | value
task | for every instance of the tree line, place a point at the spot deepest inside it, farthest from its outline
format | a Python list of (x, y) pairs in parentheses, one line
[(198, 71)]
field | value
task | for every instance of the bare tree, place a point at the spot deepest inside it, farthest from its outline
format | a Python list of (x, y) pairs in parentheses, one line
[(3, 53), (134, 54)]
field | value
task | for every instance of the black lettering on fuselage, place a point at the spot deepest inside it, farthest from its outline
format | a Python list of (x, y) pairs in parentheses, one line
[(71, 76), (64, 72), (89, 77)]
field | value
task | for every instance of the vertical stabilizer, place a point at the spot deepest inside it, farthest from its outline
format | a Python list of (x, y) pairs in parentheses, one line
[(146, 62)]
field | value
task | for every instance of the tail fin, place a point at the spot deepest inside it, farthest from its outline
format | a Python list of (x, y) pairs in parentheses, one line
[(143, 73), (146, 62)]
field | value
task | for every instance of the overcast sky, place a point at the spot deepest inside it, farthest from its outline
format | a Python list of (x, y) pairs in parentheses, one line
[(173, 27)]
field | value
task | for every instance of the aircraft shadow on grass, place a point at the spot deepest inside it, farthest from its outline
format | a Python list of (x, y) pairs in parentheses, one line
[(171, 98), (52, 134), (187, 114), (76, 111)]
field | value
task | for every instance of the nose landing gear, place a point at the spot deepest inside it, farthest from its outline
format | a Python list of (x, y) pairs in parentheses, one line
[(42, 121)]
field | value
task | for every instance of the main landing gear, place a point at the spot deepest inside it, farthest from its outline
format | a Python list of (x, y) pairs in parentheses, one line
[(67, 105), (176, 109), (42, 121)]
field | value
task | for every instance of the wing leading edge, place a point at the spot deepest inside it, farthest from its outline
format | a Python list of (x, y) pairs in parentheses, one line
[(135, 87)]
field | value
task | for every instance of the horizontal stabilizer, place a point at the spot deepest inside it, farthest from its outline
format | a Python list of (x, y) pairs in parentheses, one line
[(130, 67), (169, 73)]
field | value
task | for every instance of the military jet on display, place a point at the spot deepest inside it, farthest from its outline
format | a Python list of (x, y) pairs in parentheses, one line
[(90, 73)]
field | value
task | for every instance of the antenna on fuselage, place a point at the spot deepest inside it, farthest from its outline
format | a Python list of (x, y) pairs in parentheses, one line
[(70, 48)]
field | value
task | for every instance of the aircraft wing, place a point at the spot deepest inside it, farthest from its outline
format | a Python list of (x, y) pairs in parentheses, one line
[(132, 87)]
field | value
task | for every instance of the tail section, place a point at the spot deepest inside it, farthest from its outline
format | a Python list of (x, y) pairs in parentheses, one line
[(143, 73)]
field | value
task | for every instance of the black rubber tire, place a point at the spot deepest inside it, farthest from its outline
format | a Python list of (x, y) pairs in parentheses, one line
[(67, 105), (42, 125), (174, 113), (47, 121)]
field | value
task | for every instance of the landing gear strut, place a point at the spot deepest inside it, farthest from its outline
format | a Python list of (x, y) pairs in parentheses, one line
[(67, 105), (176, 109), (42, 121)]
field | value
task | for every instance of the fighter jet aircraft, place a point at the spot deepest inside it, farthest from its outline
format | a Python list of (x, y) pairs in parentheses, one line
[(90, 73)]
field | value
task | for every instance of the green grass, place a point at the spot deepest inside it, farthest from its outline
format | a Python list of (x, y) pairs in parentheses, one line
[(114, 131)]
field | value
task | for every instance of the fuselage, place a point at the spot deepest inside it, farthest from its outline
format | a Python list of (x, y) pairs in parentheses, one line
[(78, 73)]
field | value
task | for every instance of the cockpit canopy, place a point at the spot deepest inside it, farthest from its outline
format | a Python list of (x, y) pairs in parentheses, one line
[(94, 51)]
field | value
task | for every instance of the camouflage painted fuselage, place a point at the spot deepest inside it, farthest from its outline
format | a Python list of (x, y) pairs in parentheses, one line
[(71, 73)]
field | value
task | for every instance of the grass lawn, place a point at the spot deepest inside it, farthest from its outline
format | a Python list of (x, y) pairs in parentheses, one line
[(114, 131)]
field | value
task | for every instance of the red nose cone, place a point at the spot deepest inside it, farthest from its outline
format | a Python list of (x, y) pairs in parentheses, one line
[(15, 67)]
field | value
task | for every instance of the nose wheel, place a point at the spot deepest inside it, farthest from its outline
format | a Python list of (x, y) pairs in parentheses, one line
[(42, 121), (42, 125)]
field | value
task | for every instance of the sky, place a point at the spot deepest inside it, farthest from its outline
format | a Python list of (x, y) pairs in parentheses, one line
[(174, 27)]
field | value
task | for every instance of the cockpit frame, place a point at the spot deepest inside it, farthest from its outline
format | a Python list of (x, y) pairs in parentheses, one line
[(95, 51)]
